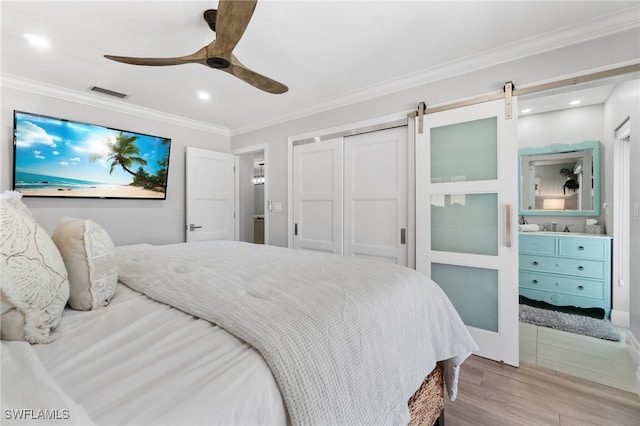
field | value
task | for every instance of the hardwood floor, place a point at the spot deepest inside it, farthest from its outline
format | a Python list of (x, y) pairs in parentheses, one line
[(494, 394)]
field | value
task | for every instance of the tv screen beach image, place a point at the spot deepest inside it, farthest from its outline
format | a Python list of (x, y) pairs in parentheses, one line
[(62, 158)]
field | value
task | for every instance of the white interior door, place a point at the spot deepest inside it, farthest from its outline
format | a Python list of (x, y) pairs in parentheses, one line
[(209, 195), (317, 194), (466, 199), (375, 195)]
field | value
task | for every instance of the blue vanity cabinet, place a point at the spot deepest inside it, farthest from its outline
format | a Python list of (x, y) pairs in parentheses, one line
[(566, 270)]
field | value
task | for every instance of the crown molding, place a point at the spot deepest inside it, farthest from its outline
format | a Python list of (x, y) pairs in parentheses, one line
[(623, 20), (44, 89)]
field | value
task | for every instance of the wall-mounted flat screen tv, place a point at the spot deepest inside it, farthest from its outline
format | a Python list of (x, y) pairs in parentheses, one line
[(54, 157)]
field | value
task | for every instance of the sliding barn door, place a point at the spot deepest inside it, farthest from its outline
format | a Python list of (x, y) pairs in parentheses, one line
[(466, 203)]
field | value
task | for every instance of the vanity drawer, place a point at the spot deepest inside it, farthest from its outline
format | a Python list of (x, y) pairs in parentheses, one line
[(537, 244), (560, 299), (582, 247), (562, 265), (565, 285)]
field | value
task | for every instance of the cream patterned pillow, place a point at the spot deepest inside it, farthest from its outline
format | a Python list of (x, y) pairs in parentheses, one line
[(34, 283), (89, 255), (15, 198)]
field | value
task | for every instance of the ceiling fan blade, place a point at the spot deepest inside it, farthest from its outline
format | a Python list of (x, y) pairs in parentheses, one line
[(199, 57), (232, 19), (255, 79)]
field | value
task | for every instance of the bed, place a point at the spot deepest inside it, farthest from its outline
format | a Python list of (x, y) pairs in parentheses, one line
[(222, 333)]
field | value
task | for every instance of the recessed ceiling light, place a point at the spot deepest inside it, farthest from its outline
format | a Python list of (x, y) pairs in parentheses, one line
[(526, 110), (203, 95), (574, 102), (37, 41)]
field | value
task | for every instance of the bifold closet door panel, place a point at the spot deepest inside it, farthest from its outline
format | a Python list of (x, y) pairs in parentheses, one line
[(317, 196), (375, 195)]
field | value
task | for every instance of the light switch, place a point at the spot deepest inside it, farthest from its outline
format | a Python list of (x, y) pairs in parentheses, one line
[(278, 206), (636, 212)]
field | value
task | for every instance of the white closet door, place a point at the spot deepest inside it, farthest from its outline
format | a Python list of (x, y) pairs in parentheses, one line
[(375, 206), (209, 195), (317, 195), (466, 219)]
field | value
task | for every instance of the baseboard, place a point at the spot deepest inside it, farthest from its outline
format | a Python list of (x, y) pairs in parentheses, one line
[(633, 346), (620, 318)]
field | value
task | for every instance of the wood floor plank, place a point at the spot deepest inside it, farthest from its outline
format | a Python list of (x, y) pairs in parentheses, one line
[(490, 393)]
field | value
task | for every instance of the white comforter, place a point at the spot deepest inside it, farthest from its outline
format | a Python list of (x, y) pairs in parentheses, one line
[(348, 340)]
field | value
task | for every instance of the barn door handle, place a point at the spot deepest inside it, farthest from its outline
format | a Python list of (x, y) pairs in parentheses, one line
[(403, 235), (295, 229)]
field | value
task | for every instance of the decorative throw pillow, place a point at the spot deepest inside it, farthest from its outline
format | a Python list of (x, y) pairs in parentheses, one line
[(34, 283), (15, 198), (90, 258)]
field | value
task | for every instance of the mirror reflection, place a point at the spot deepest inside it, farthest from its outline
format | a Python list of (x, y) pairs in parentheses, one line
[(560, 180)]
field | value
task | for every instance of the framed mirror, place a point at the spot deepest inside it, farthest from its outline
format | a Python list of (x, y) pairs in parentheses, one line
[(560, 180)]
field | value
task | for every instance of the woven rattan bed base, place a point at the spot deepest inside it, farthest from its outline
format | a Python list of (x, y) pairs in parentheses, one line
[(427, 403)]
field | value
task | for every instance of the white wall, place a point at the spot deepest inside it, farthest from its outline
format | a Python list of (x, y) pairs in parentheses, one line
[(625, 102), (127, 221), (566, 127)]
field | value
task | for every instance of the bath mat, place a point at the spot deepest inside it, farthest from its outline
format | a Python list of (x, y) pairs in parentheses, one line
[(578, 324), (586, 312)]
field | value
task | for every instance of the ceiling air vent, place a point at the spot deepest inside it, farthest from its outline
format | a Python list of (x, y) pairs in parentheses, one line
[(109, 92)]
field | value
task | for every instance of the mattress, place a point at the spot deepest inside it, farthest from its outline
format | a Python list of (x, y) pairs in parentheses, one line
[(142, 362)]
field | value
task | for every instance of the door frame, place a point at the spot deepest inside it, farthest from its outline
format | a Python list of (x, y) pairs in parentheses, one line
[(263, 147), (350, 129), (621, 223)]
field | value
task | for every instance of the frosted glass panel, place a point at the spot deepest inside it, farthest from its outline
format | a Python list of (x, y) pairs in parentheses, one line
[(473, 292), (465, 223), (464, 151)]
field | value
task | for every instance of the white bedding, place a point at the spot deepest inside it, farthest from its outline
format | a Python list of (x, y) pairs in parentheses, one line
[(143, 363), (348, 340), (30, 395)]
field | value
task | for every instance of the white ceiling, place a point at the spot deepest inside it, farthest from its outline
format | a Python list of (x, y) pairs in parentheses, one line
[(329, 53)]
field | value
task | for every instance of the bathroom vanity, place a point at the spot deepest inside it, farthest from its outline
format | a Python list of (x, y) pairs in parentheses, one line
[(566, 269)]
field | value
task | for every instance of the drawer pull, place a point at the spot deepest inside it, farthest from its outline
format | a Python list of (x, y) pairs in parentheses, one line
[(580, 287), (580, 268), (535, 263), (535, 281), (580, 247)]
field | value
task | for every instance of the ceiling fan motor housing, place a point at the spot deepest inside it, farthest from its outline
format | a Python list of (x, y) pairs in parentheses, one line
[(218, 63)]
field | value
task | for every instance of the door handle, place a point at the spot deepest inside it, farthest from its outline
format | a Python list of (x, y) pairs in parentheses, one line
[(507, 225), (403, 236), (193, 227), (295, 229)]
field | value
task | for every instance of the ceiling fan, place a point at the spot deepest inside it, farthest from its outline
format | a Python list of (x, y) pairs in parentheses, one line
[(229, 22)]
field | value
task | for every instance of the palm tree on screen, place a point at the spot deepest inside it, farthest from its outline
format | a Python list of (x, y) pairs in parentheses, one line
[(123, 152)]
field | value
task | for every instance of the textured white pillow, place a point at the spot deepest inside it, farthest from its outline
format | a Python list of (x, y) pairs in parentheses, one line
[(15, 198), (34, 283), (89, 255)]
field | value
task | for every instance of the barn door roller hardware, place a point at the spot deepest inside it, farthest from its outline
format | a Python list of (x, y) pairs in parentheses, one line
[(508, 91)]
